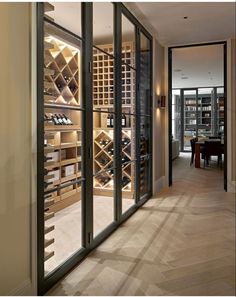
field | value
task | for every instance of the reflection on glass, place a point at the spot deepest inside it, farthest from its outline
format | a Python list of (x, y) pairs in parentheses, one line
[(103, 81), (67, 15), (128, 42), (128, 156), (145, 72), (144, 175), (145, 131), (103, 26), (128, 184), (103, 201), (62, 168)]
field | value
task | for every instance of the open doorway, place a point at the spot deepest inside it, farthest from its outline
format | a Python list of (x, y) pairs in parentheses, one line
[(197, 108)]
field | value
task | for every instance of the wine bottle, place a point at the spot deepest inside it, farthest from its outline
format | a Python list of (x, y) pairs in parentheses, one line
[(59, 119), (123, 121), (111, 121), (64, 121), (55, 120), (45, 171), (108, 121), (67, 119)]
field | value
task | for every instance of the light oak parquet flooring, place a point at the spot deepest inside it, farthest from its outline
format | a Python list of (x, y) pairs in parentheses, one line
[(181, 242)]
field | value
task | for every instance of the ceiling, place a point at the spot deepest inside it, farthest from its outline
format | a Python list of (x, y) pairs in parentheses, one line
[(207, 21), (200, 66)]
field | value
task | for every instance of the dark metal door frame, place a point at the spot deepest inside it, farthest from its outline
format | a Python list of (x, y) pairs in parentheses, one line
[(224, 43)]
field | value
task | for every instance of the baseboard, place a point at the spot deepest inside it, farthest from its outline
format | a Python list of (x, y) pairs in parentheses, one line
[(232, 186), (159, 184), (25, 289)]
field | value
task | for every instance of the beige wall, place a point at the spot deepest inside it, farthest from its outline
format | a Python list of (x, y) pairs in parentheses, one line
[(233, 107), (15, 148), (159, 118)]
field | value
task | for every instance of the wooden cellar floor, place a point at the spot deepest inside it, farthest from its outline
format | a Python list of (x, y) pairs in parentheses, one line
[(181, 242)]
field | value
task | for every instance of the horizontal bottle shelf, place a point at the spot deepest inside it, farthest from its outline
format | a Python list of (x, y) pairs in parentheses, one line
[(48, 242), (48, 255), (62, 128)]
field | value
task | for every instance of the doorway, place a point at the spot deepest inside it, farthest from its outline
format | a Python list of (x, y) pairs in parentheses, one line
[(197, 99)]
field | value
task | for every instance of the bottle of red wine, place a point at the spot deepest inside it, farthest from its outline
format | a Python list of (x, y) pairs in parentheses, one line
[(63, 119)]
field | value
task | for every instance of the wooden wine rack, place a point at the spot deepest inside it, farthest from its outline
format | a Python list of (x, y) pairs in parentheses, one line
[(62, 71), (103, 76), (103, 161)]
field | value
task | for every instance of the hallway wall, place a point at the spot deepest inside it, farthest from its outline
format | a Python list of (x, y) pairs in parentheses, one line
[(15, 149)]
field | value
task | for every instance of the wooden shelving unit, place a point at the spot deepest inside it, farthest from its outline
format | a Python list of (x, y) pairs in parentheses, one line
[(103, 76)]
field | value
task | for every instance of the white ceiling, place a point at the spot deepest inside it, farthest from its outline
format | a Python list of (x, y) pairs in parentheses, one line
[(206, 21), (200, 66)]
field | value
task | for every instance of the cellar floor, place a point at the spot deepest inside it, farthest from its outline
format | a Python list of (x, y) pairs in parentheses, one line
[(67, 233)]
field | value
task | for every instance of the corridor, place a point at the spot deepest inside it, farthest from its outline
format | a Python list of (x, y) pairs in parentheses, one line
[(179, 243)]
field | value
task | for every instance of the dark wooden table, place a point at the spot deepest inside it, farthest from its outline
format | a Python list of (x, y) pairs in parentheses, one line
[(198, 145)]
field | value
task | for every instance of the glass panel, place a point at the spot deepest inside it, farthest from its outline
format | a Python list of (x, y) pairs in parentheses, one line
[(145, 75), (62, 72), (176, 116), (103, 81), (144, 175), (62, 147), (103, 134), (220, 112), (128, 157), (206, 110), (128, 89), (128, 42), (67, 15), (145, 134), (103, 201), (190, 117), (62, 167), (128, 185), (103, 26)]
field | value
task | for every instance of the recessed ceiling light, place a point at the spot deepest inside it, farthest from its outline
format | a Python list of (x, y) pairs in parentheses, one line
[(177, 70), (184, 77), (185, 17)]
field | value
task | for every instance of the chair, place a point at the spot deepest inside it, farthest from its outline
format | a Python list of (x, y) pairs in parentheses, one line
[(192, 143), (213, 148)]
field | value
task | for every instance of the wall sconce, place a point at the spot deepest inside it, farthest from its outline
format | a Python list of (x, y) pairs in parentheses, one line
[(161, 102)]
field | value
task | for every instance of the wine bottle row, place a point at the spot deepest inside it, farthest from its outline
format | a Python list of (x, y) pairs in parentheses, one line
[(57, 119), (110, 121)]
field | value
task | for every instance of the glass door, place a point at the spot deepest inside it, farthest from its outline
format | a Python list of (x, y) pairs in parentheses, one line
[(190, 116)]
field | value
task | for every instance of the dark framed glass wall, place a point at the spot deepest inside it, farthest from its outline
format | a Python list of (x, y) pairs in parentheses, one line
[(94, 128)]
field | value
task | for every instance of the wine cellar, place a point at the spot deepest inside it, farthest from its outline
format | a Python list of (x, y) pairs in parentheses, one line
[(64, 112)]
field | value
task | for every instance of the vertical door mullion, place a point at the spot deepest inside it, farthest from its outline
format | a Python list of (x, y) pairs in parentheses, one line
[(196, 112), (118, 111), (137, 111), (87, 123), (182, 118), (40, 147), (151, 122)]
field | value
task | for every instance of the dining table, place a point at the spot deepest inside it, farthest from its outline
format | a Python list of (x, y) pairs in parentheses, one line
[(198, 145)]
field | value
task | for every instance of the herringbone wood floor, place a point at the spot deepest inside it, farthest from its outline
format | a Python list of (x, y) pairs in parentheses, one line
[(181, 242)]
